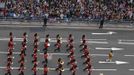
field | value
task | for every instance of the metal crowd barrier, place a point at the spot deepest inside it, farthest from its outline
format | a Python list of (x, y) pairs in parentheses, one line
[(71, 20)]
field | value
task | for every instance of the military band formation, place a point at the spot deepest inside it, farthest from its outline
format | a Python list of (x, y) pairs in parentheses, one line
[(72, 63)]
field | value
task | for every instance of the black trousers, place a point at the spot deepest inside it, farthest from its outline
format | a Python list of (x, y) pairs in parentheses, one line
[(101, 24)]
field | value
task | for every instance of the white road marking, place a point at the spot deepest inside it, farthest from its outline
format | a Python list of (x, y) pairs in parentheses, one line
[(104, 69), (126, 43), (115, 62), (15, 39), (129, 55), (39, 68), (53, 40), (8, 52), (78, 68), (131, 69), (63, 40), (98, 54), (112, 48), (126, 40), (95, 39), (50, 54), (97, 42), (56, 53), (107, 33), (13, 68)]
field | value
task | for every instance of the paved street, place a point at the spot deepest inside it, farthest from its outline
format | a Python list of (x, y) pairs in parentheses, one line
[(100, 42)]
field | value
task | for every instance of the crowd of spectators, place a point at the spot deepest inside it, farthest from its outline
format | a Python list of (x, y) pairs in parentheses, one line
[(63, 9)]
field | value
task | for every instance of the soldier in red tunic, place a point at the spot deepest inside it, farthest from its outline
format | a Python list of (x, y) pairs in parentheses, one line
[(45, 69), (58, 45), (47, 38), (34, 69), (11, 36), (34, 57), (72, 60), (35, 50), (73, 68), (45, 57), (87, 60), (71, 52), (25, 37), (70, 40), (22, 58), (84, 48), (8, 69), (46, 45), (10, 59), (88, 67), (10, 45), (85, 54)]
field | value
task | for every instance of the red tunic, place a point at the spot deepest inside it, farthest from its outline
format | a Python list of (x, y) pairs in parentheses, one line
[(45, 56), (45, 70)]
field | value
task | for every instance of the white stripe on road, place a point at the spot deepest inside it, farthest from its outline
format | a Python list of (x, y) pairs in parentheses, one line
[(99, 54), (126, 40), (53, 40), (78, 68), (8, 52), (15, 39), (112, 48), (54, 53), (104, 69), (13, 68), (107, 33), (97, 42), (95, 39), (115, 62), (131, 69), (126, 43), (129, 55)]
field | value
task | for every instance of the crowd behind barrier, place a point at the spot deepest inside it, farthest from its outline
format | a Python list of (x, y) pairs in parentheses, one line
[(120, 10)]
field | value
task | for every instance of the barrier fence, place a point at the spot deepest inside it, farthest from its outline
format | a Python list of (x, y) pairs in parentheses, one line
[(66, 20)]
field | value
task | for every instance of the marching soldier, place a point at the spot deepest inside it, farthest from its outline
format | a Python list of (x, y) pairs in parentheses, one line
[(83, 37), (84, 48), (72, 60), (45, 69), (45, 57), (58, 37), (110, 56), (11, 44), (22, 58), (46, 45), (70, 37), (60, 64), (58, 45), (87, 60), (71, 52), (34, 69), (47, 38), (85, 54), (73, 68), (70, 43), (34, 57), (61, 70), (70, 40), (70, 47), (11, 36), (8, 69), (25, 37), (83, 43)]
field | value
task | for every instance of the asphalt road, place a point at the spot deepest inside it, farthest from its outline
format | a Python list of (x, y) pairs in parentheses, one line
[(100, 43)]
